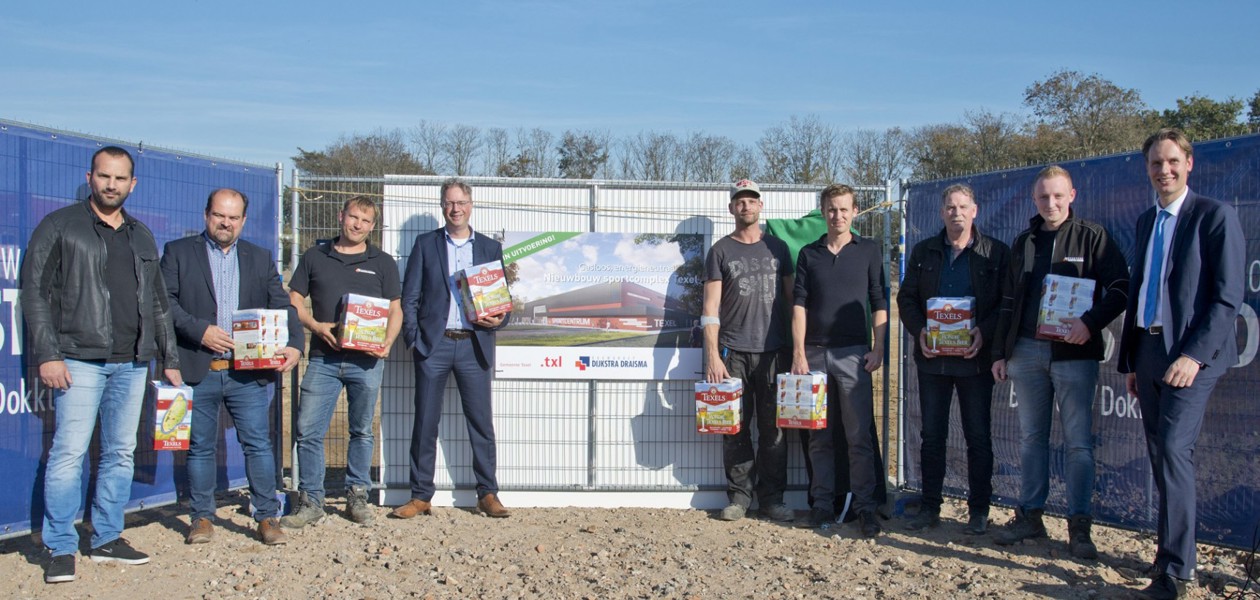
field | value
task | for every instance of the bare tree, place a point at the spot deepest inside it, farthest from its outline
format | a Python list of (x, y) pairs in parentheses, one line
[(996, 138), (745, 164), (498, 150), (873, 157), (534, 153), (651, 156), (804, 150), (582, 153), (707, 157), (428, 139), (460, 147), (1099, 115)]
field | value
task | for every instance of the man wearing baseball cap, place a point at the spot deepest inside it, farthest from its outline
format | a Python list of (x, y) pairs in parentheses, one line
[(748, 285)]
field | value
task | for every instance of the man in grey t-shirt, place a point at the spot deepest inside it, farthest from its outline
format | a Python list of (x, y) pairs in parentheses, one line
[(746, 293)]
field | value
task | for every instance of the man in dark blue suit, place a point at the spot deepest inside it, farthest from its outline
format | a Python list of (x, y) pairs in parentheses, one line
[(442, 341), (1178, 338), (208, 276)]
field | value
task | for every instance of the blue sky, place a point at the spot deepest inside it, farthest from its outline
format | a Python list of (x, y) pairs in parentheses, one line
[(254, 81)]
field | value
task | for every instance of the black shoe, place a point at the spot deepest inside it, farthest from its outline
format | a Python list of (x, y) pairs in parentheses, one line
[(869, 523), (1026, 525), (819, 518), (60, 569), (1080, 545), (926, 518), (118, 551), (1165, 587), (977, 524)]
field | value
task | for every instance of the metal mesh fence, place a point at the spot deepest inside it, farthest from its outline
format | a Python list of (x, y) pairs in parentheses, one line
[(555, 435)]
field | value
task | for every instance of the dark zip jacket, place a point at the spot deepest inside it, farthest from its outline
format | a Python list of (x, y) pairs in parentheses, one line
[(65, 298), (987, 265), (1082, 249)]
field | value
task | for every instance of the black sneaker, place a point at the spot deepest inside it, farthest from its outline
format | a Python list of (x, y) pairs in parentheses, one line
[(819, 518), (869, 523), (1164, 587), (60, 569), (926, 518), (1026, 525), (118, 551)]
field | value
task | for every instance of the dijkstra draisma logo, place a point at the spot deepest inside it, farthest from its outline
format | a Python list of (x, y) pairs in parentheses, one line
[(582, 363)]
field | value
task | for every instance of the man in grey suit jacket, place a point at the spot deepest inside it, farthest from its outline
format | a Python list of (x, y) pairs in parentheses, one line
[(1178, 337), (442, 341), (208, 276)]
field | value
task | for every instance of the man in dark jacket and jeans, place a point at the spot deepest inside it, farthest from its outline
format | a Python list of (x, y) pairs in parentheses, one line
[(96, 311), (959, 262), (1062, 372)]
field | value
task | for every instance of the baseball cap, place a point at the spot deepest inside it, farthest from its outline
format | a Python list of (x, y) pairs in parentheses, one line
[(745, 185)]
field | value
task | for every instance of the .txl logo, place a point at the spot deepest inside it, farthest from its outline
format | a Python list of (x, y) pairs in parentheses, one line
[(553, 362)]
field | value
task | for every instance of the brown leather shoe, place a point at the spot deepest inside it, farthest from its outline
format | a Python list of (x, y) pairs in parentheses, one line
[(490, 506), (202, 532), (270, 533), (412, 508)]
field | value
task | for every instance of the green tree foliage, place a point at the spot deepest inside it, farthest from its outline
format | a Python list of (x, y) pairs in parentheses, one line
[(1253, 110), (582, 154), (1203, 118), (1098, 115), (378, 153)]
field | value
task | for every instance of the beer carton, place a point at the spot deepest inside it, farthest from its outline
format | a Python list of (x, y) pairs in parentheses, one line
[(484, 290), (1062, 297), (802, 401), (364, 321), (719, 406), (173, 417), (949, 324), (259, 335)]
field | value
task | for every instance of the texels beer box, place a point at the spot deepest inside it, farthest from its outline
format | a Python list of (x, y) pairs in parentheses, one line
[(259, 335), (173, 417), (364, 321), (802, 401), (719, 406), (484, 290), (949, 324), (1062, 297)]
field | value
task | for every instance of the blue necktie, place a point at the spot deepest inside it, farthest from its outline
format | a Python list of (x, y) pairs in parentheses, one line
[(1155, 278)]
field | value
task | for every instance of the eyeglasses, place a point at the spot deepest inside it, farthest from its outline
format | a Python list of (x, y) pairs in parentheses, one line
[(461, 204)]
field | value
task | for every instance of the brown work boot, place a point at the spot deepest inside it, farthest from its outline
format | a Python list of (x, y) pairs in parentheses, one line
[(202, 531), (270, 533), (412, 508), (490, 506)]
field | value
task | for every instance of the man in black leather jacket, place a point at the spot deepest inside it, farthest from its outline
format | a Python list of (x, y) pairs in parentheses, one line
[(96, 310)]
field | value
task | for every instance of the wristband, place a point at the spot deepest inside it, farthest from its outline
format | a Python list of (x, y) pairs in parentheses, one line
[(707, 321)]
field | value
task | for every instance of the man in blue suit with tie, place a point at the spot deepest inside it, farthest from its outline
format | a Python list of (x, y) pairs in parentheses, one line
[(442, 341), (1178, 338)]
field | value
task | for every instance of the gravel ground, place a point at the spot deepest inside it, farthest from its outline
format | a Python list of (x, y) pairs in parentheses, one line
[(603, 553)]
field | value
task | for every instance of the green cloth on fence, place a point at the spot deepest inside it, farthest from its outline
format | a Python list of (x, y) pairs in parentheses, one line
[(798, 233)]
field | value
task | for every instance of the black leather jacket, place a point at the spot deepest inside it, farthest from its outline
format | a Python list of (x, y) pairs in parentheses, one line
[(66, 301)]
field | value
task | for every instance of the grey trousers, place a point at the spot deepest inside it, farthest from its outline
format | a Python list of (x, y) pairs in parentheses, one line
[(850, 404)]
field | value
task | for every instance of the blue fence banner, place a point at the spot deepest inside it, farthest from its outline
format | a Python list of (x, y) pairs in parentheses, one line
[(43, 170), (1113, 191)]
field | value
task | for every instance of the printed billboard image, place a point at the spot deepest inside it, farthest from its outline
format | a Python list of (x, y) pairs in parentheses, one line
[(602, 306)]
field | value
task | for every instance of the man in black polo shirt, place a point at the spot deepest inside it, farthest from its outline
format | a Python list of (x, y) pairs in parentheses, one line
[(349, 264), (839, 280)]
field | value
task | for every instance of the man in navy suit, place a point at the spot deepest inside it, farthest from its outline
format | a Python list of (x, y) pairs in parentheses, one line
[(1178, 338), (442, 341), (208, 277)]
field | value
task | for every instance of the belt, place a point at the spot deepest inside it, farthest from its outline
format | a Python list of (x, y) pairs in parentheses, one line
[(220, 364), (1153, 330), (458, 334)]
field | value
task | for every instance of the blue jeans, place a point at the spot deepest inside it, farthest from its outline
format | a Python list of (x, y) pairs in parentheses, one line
[(1040, 384), (115, 392), (360, 375), (975, 395), (249, 405)]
